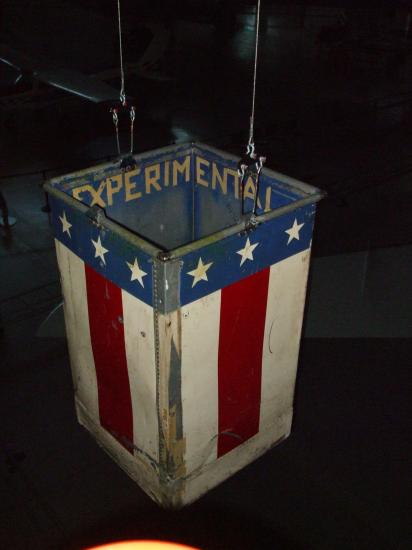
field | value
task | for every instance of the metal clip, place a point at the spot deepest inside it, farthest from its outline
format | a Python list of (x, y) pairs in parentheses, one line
[(116, 126), (259, 164), (132, 119), (115, 116), (251, 165)]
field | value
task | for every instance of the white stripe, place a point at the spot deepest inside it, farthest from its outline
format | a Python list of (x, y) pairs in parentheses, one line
[(73, 281), (140, 353), (200, 348), (219, 470), (286, 301)]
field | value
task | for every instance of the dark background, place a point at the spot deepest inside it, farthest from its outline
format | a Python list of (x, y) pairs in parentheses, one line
[(333, 108)]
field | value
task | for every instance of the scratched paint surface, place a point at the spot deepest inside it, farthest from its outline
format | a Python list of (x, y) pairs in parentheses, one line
[(171, 201), (231, 401), (199, 390), (174, 199)]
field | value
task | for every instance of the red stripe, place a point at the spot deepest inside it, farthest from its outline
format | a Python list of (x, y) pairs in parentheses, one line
[(104, 300), (242, 325)]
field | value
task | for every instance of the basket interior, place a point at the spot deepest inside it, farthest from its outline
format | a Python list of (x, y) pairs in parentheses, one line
[(177, 195)]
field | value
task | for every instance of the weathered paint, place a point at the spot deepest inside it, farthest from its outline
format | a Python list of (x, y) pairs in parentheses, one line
[(73, 282), (242, 320), (183, 361), (284, 315), (172, 441), (104, 300), (140, 352), (200, 392)]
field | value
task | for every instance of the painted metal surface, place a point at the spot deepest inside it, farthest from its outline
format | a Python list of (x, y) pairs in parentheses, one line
[(183, 341)]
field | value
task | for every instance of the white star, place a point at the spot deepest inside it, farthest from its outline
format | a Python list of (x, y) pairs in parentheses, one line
[(247, 252), (65, 224), (199, 274), (137, 273), (293, 232), (100, 250)]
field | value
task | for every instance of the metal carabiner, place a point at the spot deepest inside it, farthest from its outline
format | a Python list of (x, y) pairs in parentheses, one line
[(259, 164), (115, 116), (132, 119)]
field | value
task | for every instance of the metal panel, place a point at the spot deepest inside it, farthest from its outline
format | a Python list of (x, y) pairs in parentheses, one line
[(178, 195), (192, 284), (154, 199)]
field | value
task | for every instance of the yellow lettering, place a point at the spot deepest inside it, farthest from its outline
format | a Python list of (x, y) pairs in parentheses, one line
[(129, 185), (268, 196), (230, 172), (216, 177), (181, 168), (79, 190), (167, 173), (200, 172), (249, 191), (152, 180), (96, 194), (112, 188)]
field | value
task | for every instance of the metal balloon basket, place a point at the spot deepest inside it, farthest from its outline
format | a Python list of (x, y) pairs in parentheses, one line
[(183, 311)]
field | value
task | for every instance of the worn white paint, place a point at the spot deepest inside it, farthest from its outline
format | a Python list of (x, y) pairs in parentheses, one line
[(200, 346), (246, 253), (200, 273), (137, 273), (76, 315), (140, 354), (100, 250), (293, 232), (199, 481), (217, 471), (286, 301), (195, 333)]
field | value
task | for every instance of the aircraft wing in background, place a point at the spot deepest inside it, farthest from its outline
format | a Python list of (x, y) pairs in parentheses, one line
[(79, 84), (73, 82), (93, 88)]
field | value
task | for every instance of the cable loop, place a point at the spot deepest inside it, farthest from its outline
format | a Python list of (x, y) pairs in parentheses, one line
[(252, 117)]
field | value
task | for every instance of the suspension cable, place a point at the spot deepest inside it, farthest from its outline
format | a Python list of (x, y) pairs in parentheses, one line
[(251, 164), (122, 90), (123, 98), (132, 119), (252, 116)]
